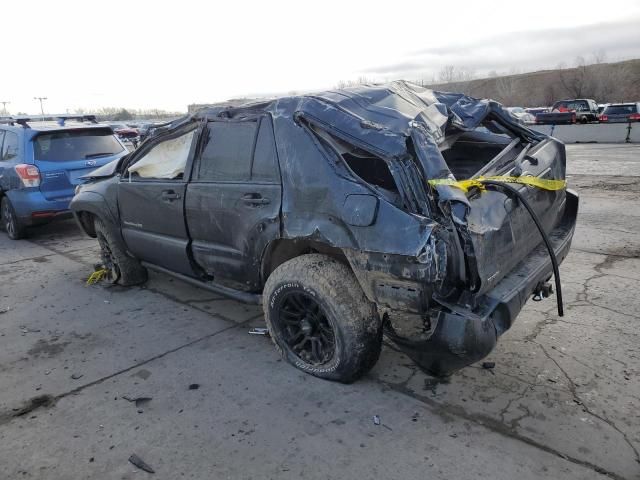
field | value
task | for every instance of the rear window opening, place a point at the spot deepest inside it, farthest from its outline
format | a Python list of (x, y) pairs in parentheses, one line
[(67, 145), (366, 166), (482, 152), (370, 168)]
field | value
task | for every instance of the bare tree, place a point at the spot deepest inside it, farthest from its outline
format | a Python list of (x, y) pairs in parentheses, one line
[(599, 57), (362, 80), (576, 80), (448, 74), (507, 89), (451, 73)]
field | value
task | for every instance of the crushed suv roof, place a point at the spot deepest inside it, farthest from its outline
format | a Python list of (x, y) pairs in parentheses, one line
[(390, 109)]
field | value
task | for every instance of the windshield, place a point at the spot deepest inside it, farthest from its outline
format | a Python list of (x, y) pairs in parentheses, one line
[(76, 145), (621, 109)]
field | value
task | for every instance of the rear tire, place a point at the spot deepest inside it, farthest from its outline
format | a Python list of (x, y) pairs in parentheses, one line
[(320, 320), (121, 268), (10, 222)]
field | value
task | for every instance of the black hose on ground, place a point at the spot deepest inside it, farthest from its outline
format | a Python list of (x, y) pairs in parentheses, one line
[(545, 238)]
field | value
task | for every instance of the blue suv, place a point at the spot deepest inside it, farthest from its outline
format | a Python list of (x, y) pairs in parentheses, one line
[(41, 164)]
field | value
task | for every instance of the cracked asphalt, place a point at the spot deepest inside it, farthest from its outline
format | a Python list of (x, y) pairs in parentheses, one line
[(562, 401)]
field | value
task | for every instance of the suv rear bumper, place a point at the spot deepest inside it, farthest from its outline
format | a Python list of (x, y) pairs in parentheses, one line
[(461, 336), (32, 208)]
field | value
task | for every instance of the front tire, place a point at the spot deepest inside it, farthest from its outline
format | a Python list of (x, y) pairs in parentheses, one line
[(121, 268), (320, 320), (10, 223)]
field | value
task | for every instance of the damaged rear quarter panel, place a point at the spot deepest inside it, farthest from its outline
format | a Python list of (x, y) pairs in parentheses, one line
[(314, 195)]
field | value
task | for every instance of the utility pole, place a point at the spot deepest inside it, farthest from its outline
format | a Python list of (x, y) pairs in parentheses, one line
[(4, 107), (41, 107)]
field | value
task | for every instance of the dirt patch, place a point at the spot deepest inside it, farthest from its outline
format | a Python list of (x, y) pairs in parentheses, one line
[(47, 347)]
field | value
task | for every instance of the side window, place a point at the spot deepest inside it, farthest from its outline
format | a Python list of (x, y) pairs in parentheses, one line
[(265, 160), (228, 152), (10, 146), (165, 160), (1, 140)]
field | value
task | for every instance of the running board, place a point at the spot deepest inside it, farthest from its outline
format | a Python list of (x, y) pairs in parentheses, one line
[(244, 297)]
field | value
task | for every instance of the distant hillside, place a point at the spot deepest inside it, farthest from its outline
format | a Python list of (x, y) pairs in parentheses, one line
[(604, 82)]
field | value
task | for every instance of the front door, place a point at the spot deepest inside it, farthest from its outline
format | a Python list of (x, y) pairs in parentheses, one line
[(151, 202), (233, 200)]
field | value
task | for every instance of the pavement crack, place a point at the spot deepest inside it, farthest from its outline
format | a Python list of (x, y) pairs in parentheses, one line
[(50, 400), (495, 426), (576, 398)]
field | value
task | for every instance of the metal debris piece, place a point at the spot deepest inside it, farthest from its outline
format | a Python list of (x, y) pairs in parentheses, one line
[(76, 376), (136, 461), (139, 401), (194, 386), (376, 420), (488, 365), (259, 331)]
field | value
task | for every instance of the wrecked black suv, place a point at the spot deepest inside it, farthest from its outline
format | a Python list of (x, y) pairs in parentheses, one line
[(347, 214)]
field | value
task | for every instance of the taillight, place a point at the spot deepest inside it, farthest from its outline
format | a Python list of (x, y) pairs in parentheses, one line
[(29, 174), (634, 116), (604, 118)]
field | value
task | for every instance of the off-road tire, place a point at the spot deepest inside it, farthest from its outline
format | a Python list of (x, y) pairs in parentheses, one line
[(128, 270), (9, 220), (353, 318)]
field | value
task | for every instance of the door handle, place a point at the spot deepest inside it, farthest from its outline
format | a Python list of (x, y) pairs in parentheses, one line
[(255, 199), (170, 195)]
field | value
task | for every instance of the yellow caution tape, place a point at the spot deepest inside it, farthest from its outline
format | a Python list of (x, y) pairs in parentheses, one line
[(96, 276), (465, 185)]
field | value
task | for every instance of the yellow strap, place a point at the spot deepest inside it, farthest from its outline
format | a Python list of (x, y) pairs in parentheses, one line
[(96, 276), (465, 185)]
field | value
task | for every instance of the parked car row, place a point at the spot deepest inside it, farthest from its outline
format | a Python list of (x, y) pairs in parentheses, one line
[(581, 110)]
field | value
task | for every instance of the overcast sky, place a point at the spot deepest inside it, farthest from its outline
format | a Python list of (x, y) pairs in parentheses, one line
[(85, 54)]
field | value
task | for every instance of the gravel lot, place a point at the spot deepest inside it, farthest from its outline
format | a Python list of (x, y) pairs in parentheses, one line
[(562, 401)]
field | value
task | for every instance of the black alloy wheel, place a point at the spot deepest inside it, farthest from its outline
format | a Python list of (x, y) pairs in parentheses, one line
[(306, 329)]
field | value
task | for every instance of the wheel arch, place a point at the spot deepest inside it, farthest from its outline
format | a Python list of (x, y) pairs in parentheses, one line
[(282, 250)]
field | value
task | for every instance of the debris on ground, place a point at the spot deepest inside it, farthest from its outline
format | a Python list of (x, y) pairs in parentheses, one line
[(488, 365), (76, 376), (194, 386), (136, 461), (140, 401), (376, 420), (24, 329), (259, 331), (96, 276)]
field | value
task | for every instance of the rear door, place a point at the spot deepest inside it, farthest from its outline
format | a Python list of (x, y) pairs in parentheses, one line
[(151, 201), (63, 156), (233, 200)]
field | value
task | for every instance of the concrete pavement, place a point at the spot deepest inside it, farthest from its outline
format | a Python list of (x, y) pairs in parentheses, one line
[(561, 402)]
